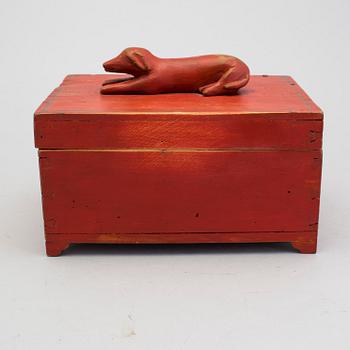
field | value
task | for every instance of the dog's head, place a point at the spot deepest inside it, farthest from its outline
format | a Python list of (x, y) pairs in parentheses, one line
[(133, 60)]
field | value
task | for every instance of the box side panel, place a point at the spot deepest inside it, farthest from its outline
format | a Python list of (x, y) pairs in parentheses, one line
[(106, 132), (103, 192)]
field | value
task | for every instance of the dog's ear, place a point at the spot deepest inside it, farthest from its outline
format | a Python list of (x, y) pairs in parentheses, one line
[(137, 59)]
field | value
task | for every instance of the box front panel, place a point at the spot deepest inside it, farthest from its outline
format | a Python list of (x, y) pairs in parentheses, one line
[(287, 131), (139, 191)]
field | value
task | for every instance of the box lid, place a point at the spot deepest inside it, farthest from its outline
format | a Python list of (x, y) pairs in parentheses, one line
[(271, 112)]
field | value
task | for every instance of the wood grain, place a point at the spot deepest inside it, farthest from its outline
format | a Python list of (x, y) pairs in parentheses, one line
[(104, 132), (180, 168), (273, 112), (140, 191), (265, 95)]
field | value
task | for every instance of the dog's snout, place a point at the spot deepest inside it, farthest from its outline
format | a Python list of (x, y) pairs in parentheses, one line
[(109, 65), (106, 66)]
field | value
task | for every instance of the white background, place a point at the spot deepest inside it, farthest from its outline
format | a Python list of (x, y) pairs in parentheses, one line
[(209, 297)]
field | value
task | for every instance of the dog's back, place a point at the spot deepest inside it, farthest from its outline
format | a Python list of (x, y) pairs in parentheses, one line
[(194, 72)]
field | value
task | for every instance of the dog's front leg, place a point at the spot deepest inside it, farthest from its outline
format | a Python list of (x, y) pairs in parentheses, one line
[(133, 86), (117, 80)]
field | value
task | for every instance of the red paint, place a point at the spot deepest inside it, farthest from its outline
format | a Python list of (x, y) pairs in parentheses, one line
[(215, 132), (305, 242), (266, 96), (177, 169), (145, 192), (209, 75)]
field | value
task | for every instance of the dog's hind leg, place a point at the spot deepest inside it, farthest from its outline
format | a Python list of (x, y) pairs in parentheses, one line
[(212, 89), (226, 85)]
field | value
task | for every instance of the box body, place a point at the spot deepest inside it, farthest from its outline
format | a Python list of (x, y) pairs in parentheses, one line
[(180, 168)]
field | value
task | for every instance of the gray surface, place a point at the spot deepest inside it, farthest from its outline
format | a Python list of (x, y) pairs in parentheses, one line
[(224, 297)]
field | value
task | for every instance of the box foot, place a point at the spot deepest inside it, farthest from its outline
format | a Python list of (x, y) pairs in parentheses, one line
[(308, 247), (55, 248)]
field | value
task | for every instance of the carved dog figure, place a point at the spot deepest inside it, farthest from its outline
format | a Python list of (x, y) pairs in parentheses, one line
[(210, 75)]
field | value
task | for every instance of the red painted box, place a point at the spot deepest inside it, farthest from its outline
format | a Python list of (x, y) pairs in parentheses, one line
[(180, 168)]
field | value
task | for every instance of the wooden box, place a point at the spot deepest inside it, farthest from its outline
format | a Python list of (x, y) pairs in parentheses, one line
[(179, 168)]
